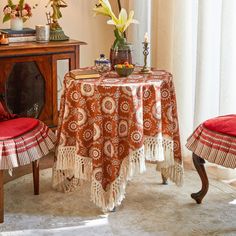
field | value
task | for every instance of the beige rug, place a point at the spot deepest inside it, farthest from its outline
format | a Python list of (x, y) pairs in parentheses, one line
[(149, 209)]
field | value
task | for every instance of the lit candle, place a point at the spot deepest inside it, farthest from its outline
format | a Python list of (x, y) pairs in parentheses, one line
[(4, 39), (146, 38)]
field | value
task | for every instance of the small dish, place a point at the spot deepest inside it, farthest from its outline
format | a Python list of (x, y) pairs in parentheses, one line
[(123, 70)]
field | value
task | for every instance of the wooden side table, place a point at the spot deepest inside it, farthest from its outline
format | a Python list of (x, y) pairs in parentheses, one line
[(45, 57)]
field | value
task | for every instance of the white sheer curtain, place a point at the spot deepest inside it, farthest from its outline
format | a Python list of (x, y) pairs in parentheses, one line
[(196, 41), (216, 52), (136, 34)]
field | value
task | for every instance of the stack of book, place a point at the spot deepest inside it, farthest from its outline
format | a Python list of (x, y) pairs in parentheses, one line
[(24, 35)]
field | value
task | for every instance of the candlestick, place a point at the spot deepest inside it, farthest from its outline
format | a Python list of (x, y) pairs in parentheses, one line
[(145, 69)]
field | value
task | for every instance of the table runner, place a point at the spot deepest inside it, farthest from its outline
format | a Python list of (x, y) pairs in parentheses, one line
[(109, 126)]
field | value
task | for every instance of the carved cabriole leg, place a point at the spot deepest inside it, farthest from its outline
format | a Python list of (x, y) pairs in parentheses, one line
[(1, 198), (164, 179), (35, 167), (199, 165)]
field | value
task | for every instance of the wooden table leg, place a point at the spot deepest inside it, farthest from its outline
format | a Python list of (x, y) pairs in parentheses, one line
[(113, 210), (35, 167), (1, 197), (199, 165), (164, 179)]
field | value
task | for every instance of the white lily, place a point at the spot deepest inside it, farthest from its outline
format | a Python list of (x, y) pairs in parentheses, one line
[(104, 8), (123, 21)]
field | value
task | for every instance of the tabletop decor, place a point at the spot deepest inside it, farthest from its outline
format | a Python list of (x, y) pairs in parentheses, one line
[(125, 69), (4, 39), (120, 50), (24, 35), (109, 126), (56, 32), (42, 33), (102, 64), (145, 69), (17, 13)]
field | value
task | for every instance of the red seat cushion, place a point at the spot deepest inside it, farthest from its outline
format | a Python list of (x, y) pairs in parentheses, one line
[(16, 127), (222, 124)]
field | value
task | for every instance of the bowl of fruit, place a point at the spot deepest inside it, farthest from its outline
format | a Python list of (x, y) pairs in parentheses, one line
[(125, 69)]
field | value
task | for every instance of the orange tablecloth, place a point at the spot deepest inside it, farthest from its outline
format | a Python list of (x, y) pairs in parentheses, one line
[(109, 126)]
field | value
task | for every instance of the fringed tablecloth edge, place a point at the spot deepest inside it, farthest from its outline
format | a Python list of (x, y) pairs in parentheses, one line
[(74, 167), (166, 164), (81, 168), (106, 200)]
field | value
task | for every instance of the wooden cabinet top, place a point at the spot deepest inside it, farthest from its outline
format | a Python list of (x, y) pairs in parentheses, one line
[(34, 48)]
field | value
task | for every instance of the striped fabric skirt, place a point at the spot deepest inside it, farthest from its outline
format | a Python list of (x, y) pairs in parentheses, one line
[(25, 148), (215, 147)]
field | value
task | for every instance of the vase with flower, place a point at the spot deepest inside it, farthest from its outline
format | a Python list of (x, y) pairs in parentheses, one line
[(17, 14), (121, 51)]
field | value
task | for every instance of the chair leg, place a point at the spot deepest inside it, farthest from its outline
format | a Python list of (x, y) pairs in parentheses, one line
[(1, 197), (35, 167), (164, 179), (199, 165)]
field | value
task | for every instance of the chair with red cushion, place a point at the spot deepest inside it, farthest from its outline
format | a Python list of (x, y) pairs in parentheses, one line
[(215, 141), (22, 141)]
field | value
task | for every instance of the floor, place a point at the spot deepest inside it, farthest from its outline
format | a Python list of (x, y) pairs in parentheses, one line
[(45, 162), (149, 209)]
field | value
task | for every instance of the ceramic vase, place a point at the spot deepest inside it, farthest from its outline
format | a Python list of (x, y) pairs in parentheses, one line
[(16, 23)]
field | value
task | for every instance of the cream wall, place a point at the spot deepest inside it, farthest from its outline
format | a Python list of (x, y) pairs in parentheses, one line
[(162, 34), (78, 23)]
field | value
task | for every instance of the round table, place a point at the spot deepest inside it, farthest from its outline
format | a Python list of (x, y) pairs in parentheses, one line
[(109, 126)]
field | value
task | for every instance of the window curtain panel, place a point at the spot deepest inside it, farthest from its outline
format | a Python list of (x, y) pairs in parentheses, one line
[(196, 41), (136, 33)]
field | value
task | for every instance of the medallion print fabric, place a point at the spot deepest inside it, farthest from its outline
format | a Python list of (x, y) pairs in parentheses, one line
[(109, 126)]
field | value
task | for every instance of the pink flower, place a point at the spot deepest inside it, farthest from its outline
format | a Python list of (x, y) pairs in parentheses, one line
[(7, 10), (27, 7), (17, 10), (24, 12)]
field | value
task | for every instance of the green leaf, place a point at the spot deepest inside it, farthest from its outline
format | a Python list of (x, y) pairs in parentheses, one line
[(6, 18), (10, 3), (21, 4)]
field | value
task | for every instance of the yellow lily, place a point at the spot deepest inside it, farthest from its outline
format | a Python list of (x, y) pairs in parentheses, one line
[(123, 21)]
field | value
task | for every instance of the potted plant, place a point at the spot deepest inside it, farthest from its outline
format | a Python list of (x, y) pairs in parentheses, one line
[(17, 13)]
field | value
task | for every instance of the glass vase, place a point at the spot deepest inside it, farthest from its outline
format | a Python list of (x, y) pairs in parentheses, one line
[(16, 23), (121, 51), (120, 55)]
